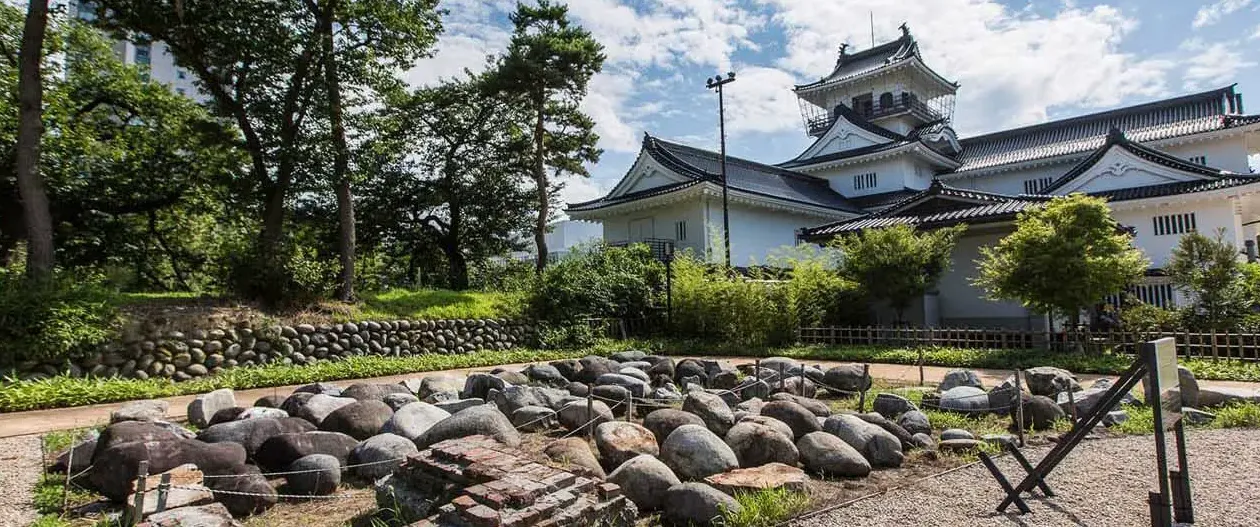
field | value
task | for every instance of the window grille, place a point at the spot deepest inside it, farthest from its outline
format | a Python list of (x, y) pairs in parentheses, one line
[(1034, 186), (864, 181), (680, 230), (1173, 224), (1199, 160)]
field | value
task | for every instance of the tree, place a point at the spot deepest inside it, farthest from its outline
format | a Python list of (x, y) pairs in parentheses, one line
[(30, 86), (896, 263), (136, 176), (548, 65), (452, 175), (1208, 271), (257, 60), (1063, 256)]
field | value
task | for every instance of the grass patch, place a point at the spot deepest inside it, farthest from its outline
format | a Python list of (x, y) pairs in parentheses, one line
[(765, 508), (432, 304), (1076, 362), (1240, 415), (63, 391)]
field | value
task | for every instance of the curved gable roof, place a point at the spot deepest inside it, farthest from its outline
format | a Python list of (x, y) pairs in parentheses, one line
[(1116, 139)]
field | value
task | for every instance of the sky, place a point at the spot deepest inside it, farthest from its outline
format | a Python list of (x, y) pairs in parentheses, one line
[(1018, 62)]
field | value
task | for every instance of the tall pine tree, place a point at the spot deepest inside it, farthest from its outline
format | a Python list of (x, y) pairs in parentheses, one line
[(549, 63)]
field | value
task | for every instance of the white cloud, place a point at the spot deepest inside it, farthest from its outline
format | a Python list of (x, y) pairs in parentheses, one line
[(1255, 34), (579, 189), (1217, 11), (761, 100), (668, 32), (606, 103), (1211, 64), (1014, 66)]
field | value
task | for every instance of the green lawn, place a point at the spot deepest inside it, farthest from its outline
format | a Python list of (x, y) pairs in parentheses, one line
[(433, 304)]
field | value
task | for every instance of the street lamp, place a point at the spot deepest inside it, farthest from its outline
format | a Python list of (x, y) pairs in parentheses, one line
[(716, 83)]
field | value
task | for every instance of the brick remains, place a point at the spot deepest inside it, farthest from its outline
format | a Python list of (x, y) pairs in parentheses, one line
[(490, 484)]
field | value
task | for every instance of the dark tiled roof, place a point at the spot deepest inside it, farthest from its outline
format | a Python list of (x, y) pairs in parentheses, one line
[(898, 142), (1116, 138), (872, 59), (1190, 114), (876, 202), (1010, 206), (746, 176), (631, 196)]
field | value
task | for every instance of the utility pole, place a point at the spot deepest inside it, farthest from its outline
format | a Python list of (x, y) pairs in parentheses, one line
[(716, 83)]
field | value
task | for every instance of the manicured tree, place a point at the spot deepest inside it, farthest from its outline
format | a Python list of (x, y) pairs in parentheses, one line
[(549, 63), (897, 263), (1063, 256), (1209, 272)]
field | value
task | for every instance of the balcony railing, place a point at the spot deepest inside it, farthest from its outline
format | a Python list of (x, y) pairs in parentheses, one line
[(661, 248), (907, 103)]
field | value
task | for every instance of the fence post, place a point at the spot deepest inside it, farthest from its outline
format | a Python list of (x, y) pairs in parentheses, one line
[(1019, 405), (65, 489), (164, 487), (590, 414), (866, 374), (1216, 354), (138, 504), (1072, 404), (922, 380)]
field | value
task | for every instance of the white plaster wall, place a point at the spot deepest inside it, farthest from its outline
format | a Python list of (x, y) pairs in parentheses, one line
[(1229, 153), (1208, 216), (758, 232), (1010, 182), (891, 174), (962, 304), (617, 228)]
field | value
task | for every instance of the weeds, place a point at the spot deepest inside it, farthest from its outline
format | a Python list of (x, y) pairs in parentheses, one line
[(766, 507)]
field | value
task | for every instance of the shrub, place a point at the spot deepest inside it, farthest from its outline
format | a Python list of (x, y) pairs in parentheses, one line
[(298, 276), (598, 281), (1146, 318), (53, 318)]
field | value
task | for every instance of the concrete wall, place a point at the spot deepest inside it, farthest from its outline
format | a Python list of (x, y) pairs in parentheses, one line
[(1209, 216)]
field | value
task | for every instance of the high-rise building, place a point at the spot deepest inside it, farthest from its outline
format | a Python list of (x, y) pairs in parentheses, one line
[(153, 57)]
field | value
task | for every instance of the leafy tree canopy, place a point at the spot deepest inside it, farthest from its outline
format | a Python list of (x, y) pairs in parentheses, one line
[(897, 264), (1209, 272)]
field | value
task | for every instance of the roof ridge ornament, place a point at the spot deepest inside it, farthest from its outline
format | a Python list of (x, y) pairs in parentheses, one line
[(905, 29), (1115, 136)]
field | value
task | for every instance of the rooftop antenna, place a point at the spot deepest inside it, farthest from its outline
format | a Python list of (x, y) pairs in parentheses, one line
[(872, 28)]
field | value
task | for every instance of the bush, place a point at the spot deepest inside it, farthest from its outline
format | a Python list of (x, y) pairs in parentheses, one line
[(297, 276), (59, 317), (501, 275), (596, 282)]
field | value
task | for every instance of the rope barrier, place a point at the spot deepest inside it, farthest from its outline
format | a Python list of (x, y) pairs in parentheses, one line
[(269, 495)]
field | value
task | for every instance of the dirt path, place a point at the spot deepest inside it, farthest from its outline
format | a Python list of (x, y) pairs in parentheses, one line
[(41, 421), (20, 459)]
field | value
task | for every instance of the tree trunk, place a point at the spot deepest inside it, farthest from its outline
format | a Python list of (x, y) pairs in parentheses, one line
[(540, 179), (341, 157), (456, 263), (40, 257)]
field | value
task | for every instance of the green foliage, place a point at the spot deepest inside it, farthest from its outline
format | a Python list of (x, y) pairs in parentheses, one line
[(63, 391), (1238, 415), (436, 304), (897, 264), (52, 318), (302, 276), (766, 508), (1146, 318), (1208, 271), (504, 274), (596, 282), (1062, 257)]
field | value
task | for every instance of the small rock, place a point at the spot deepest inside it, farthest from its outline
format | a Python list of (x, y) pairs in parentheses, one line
[(960, 377), (399, 400), (533, 418), (915, 422), (956, 433), (1197, 417), (846, 380), (892, 405), (965, 399), (210, 515), (958, 445), (1040, 412), (1049, 381), (380, 455), (575, 416), (314, 475)]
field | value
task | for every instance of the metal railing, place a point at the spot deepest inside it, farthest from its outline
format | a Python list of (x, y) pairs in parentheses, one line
[(660, 247), (1212, 344)]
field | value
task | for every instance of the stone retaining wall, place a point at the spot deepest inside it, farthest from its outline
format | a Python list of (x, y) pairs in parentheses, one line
[(148, 350)]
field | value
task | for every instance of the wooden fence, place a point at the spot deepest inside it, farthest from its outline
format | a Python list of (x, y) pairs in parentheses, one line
[(1218, 345)]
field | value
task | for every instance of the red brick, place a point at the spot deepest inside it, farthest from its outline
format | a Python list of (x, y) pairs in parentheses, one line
[(559, 480), (481, 516), (464, 502), (609, 491)]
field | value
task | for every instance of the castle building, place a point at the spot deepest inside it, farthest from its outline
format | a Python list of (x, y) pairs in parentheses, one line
[(885, 154)]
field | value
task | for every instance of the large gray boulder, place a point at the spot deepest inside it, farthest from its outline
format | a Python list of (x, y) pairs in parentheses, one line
[(712, 409), (1189, 387), (313, 475), (637, 387), (592, 367), (815, 406), (774, 424), (455, 406), (799, 419), (694, 452), (756, 444), (965, 399), (252, 433), (114, 470), (149, 410), (574, 452), (1049, 381), (576, 416), (247, 493), (1214, 396), (433, 385), (644, 480), (903, 435), (413, 420), (1088, 399), (513, 398), (361, 419), (891, 405), (846, 380), (824, 453), (662, 422), (877, 445), (960, 377), (478, 385), (363, 391), (316, 407), (618, 441), (379, 455), (533, 418), (207, 404), (399, 400), (320, 387), (480, 420), (546, 374), (133, 431), (915, 422), (696, 504), (1040, 412), (278, 452)]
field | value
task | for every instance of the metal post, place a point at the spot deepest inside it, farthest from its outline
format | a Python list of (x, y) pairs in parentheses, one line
[(1071, 404), (65, 489), (138, 504), (1019, 405), (866, 374), (1160, 511), (590, 414), (1183, 506), (164, 487), (716, 83)]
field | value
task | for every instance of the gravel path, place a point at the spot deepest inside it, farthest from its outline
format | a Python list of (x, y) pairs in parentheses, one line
[(1102, 483), (19, 471)]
